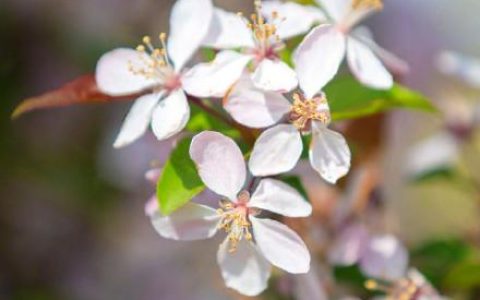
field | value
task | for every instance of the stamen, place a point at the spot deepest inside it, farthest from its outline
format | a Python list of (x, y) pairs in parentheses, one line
[(362, 4), (235, 220), (156, 64), (306, 110)]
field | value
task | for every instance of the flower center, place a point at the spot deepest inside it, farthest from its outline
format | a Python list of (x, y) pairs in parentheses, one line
[(154, 63), (304, 111), (265, 34), (404, 288), (367, 4), (235, 220)]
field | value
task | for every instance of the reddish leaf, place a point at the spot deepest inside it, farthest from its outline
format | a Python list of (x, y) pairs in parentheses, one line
[(83, 90)]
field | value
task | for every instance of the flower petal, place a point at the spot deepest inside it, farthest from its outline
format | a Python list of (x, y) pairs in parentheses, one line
[(336, 9), (385, 258), (189, 24), (137, 120), (245, 270), (366, 67), (191, 222), (392, 62), (293, 19), (228, 30), (269, 107), (113, 74), (439, 151), (281, 246), (278, 197), (276, 151), (273, 75), (171, 115), (329, 153), (349, 246), (220, 163), (318, 58), (213, 79), (310, 286)]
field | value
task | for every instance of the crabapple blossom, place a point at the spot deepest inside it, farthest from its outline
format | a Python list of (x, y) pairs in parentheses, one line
[(278, 148), (157, 71), (325, 47), (260, 45), (253, 243)]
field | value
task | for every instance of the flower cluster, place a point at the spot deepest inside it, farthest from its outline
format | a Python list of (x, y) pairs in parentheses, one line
[(282, 100)]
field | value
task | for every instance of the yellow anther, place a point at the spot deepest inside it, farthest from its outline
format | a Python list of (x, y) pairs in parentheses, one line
[(305, 110), (162, 36), (361, 4), (147, 40), (141, 48), (371, 285)]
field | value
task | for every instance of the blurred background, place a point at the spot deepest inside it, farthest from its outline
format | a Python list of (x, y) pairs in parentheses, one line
[(72, 224)]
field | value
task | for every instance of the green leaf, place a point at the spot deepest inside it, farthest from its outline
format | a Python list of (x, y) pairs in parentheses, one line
[(179, 181), (464, 276), (297, 184), (349, 99), (200, 121)]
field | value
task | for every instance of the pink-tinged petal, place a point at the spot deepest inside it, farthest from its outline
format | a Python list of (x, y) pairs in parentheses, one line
[(220, 163), (318, 58), (228, 30), (170, 115), (366, 67), (275, 76), (191, 222), (189, 24), (277, 150), (269, 107), (153, 175), (393, 63), (293, 19), (151, 206), (280, 198), (336, 9), (329, 153), (137, 120), (245, 270), (384, 258), (281, 246), (348, 248), (114, 76), (309, 286), (213, 79), (441, 150)]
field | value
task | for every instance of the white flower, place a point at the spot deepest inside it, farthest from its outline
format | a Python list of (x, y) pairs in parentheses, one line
[(260, 44), (125, 71), (252, 243), (326, 45), (278, 149)]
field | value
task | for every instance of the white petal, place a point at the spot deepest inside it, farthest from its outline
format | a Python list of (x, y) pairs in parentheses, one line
[(385, 258), (245, 270), (137, 120), (281, 246), (336, 9), (191, 222), (278, 197), (213, 79), (293, 19), (318, 58), (276, 151), (349, 245), (276, 76), (228, 30), (113, 73), (392, 62), (171, 115), (366, 67), (220, 163), (329, 153), (189, 24), (269, 107), (441, 150)]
